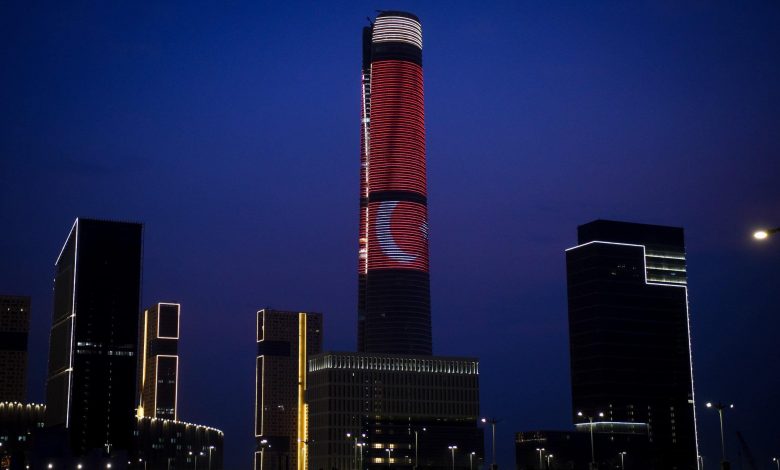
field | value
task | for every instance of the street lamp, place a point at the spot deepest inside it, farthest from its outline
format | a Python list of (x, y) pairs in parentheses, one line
[(263, 445), (540, 456), (549, 457), (211, 448), (139, 461), (592, 447), (720, 407), (763, 234), (452, 449), (416, 454), (361, 445), (471, 460), (492, 422), (51, 465), (622, 460), (777, 462), (388, 457), (79, 466), (701, 462)]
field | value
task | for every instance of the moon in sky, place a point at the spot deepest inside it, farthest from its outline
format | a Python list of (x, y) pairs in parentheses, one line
[(384, 234)]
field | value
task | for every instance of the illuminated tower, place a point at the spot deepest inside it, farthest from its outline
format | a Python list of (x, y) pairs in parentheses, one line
[(285, 340), (90, 388), (158, 374), (394, 307), (630, 336)]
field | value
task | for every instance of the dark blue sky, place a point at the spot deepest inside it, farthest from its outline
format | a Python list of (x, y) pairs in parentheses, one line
[(232, 132)]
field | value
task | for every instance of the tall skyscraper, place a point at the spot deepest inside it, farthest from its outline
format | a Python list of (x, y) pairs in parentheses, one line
[(14, 328), (630, 336), (285, 340), (394, 307), (90, 389), (158, 374)]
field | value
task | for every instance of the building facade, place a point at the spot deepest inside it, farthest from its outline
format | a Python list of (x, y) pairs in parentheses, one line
[(285, 340), (630, 335), (618, 448), (394, 307), (168, 444), (14, 329), (158, 375), (90, 389), (381, 410), (19, 422)]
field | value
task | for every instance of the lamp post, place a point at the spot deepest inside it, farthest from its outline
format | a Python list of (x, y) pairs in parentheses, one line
[(763, 234), (263, 445), (720, 407), (540, 450), (211, 449), (361, 445), (471, 460), (701, 462), (622, 460), (592, 446), (777, 462), (549, 457), (388, 457), (416, 446), (492, 422), (139, 461), (452, 449)]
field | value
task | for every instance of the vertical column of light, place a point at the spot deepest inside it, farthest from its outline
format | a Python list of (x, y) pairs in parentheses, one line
[(72, 323), (260, 376), (302, 431), (142, 387)]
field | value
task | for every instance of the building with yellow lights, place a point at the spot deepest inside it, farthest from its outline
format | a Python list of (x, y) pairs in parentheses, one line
[(158, 366), (285, 341)]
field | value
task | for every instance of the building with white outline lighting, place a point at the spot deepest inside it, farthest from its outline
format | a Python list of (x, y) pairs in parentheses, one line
[(90, 387), (629, 335)]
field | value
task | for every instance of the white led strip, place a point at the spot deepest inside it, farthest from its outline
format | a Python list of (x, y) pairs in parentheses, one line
[(397, 29), (688, 323)]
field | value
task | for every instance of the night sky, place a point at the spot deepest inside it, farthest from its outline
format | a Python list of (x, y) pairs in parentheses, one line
[(232, 132)]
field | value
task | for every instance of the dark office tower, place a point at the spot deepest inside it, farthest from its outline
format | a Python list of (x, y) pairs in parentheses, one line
[(394, 306), (158, 374), (90, 390), (630, 335), (14, 327), (285, 340)]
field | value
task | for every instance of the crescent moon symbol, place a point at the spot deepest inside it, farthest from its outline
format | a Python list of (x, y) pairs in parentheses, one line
[(385, 234)]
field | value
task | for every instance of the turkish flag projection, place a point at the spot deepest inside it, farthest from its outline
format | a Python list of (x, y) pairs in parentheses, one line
[(398, 235)]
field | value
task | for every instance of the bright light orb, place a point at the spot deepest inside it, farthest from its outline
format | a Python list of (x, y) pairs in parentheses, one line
[(760, 234)]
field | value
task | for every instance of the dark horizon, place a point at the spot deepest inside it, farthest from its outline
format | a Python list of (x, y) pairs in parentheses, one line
[(232, 133)]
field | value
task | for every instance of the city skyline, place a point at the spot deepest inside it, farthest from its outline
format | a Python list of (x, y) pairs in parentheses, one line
[(512, 170)]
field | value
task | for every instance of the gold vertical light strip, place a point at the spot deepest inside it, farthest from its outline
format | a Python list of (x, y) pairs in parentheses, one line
[(140, 412), (302, 422)]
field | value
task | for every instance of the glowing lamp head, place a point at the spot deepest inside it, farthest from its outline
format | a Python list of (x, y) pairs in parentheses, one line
[(731, 405), (579, 413), (709, 404), (760, 234), (601, 415), (484, 420)]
